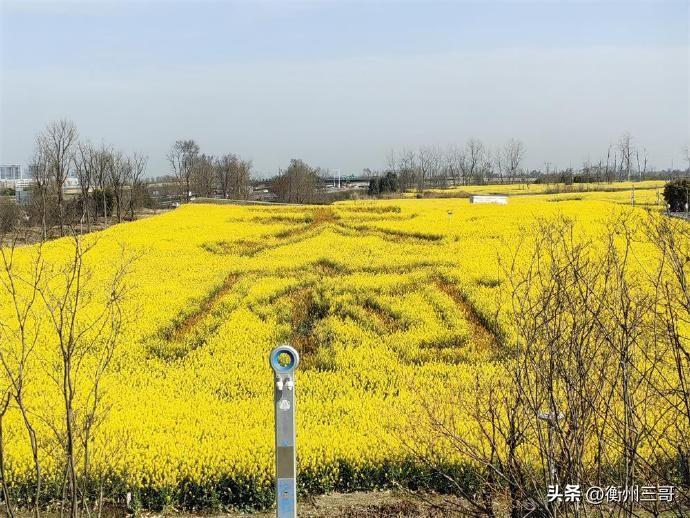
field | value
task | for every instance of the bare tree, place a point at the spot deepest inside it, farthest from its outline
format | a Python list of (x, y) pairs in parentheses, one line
[(671, 238), (427, 161), (118, 172), (85, 164), (182, 157), (297, 184), (557, 371), (493, 410), (40, 173), (57, 143), (626, 150), (408, 168), (102, 166), (609, 173), (513, 153), (240, 179), (233, 176), (474, 160), (588, 390), (4, 407), (135, 179), (641, 168), (453, 164), (437, 170), (224, 167), (86, 318), (203, 173), (19, 335)]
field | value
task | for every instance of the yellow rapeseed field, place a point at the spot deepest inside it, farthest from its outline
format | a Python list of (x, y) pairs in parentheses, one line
[(518, 189), (387, 301)]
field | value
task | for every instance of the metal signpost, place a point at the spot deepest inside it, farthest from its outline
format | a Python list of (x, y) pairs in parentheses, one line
[(284, 360)]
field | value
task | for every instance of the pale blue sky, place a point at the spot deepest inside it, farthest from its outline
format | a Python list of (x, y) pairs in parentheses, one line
[(341, 83)]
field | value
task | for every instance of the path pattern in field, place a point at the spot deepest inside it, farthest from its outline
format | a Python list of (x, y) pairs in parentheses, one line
[(423, 317)]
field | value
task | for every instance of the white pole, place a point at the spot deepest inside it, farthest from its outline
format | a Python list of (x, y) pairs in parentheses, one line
[(284, 360)]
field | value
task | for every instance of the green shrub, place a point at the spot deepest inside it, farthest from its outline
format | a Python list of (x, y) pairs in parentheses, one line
[(676, 194)]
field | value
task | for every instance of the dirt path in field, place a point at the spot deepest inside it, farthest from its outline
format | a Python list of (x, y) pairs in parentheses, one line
[(185, 325), (481, 334)]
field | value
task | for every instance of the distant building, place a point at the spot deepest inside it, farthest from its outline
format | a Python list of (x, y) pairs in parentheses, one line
[(11, 177), (71, 180), (10, 172), (261, 192)]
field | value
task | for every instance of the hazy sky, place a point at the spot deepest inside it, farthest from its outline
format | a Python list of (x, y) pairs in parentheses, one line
[(340, 83)]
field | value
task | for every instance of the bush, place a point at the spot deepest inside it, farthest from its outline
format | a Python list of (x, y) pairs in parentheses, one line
[(9, 215), (676, 194), (384, 184)]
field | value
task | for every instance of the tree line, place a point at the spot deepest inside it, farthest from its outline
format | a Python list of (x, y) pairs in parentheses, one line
[(475, 163), (302, 183), (111, 185), (204, 175)]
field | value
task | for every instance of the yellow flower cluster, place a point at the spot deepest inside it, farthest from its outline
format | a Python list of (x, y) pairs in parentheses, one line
[(389, 302)]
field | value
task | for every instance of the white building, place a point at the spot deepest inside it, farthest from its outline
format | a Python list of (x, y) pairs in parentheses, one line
[(12, 176), (10, 172), (489, 198)]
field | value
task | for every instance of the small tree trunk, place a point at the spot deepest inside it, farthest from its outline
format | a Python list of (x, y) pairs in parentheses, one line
[(44, 209), (34, 453), (105, 208), (86, 213), (67, 393), (5, 488), (61, 212)]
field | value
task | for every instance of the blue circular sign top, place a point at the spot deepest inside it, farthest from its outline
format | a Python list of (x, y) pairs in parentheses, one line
[(290, 352)]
